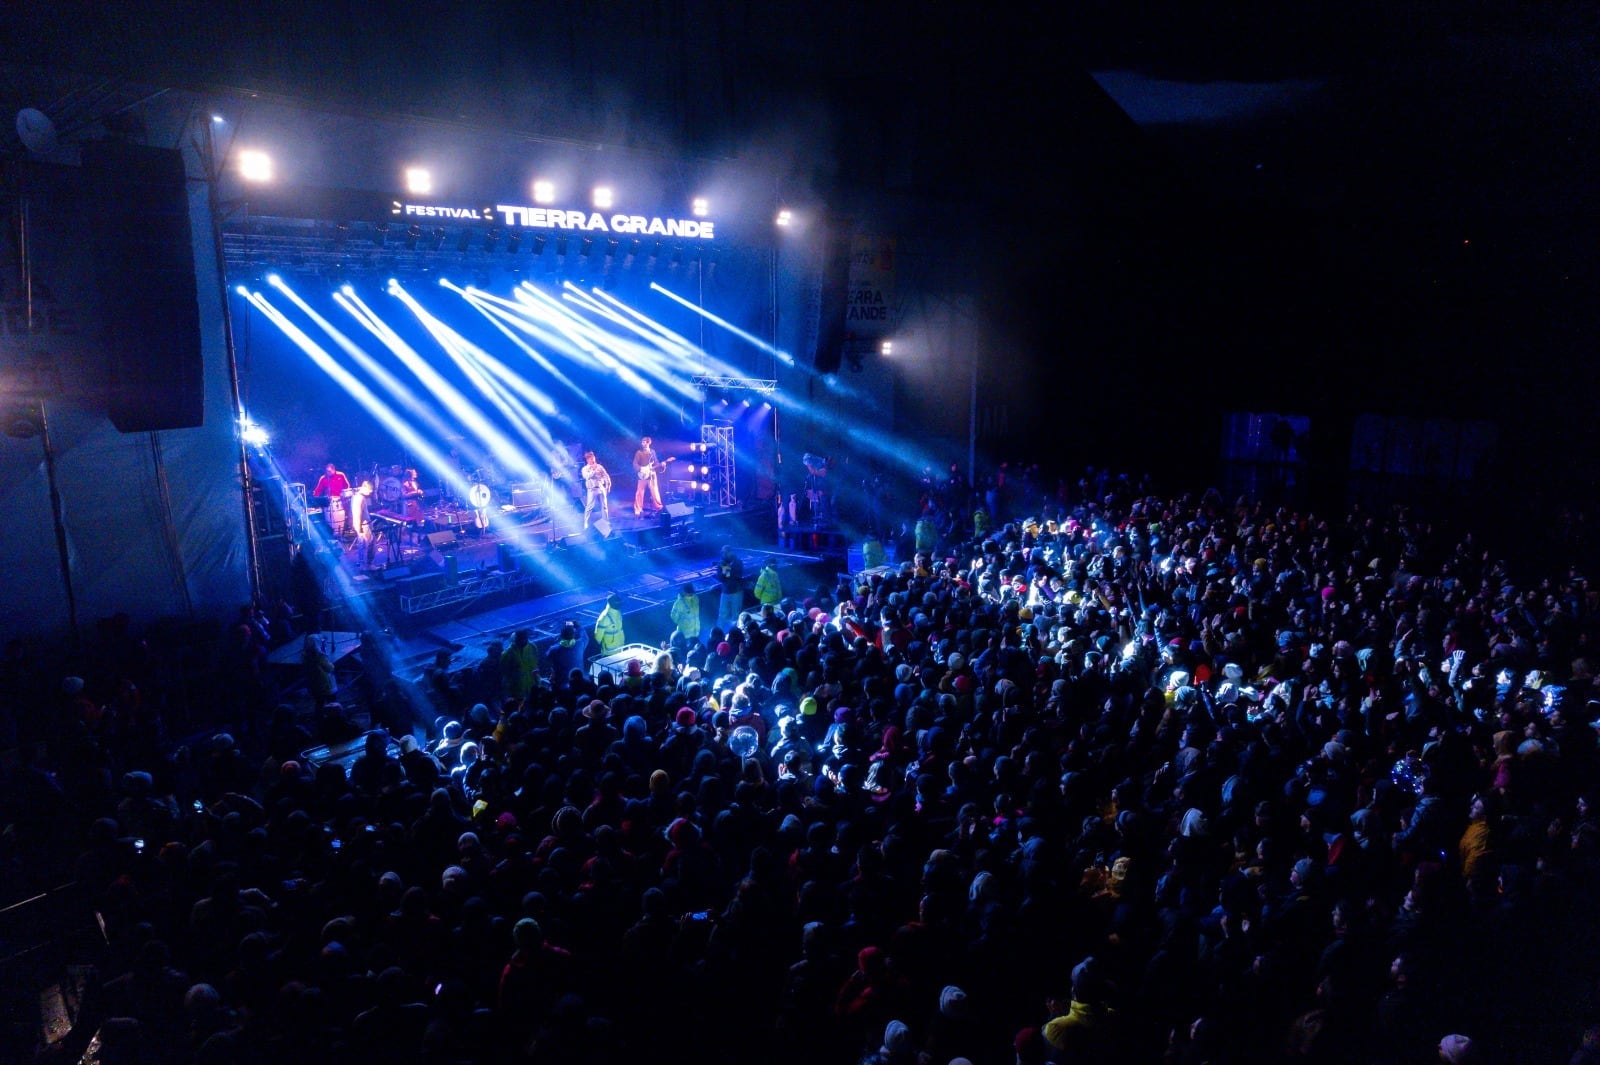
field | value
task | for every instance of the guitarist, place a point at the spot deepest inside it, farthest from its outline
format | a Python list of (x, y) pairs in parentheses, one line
[(596, 483), (648, 469)]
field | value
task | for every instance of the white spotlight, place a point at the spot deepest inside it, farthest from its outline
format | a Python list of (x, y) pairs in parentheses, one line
[(274, 280), (241, 290), (251, 433), (785, 217), (701, 206), (602, 196), (888, 347), (418, 181), (544, 191), (218, 119), (255, 165)]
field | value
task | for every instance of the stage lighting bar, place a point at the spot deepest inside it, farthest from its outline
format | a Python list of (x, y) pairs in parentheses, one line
[(761, 386), (544, 191)]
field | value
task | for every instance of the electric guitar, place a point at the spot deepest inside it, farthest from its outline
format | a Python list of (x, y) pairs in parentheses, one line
[(649, 471)]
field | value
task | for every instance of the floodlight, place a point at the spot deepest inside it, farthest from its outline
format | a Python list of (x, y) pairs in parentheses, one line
[(603, 197), (544, 191), (785, 217), (255, 165), (888, 347), (701, 206), (418, 181)]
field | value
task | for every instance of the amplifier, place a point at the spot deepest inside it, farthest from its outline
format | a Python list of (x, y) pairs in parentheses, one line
[(526, 497), (451, 518)]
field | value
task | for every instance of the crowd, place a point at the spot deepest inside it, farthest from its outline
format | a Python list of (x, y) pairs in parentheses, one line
[(1124, 779)]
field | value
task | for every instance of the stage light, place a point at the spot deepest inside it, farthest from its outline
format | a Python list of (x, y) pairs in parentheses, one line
[(744, 403), (701, 207), (251, 433), (544, 191), (705, 469), (602, 197), (218, 119), (538, 245), (418, 181), (255, 165), (241, 290), (348, 290), (274, 280), (766, 406), (784, 217), (413, 234), (380, 233), (704, 487), (888, 347)]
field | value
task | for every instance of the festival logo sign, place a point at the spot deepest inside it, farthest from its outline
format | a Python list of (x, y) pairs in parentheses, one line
[(870, 297), (556, 218)]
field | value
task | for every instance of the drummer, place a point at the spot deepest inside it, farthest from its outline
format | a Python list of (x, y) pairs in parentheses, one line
[(332, 489)]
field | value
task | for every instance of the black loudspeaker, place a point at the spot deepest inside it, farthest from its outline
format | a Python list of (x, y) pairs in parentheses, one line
[(138, 198), (507, 560), (436, 540), (832, 336), (680, 510)]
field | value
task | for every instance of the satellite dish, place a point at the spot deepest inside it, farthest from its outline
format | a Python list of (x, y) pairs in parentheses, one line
[(37, 132)]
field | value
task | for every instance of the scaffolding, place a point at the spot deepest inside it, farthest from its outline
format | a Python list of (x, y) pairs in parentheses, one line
[(718, 443)]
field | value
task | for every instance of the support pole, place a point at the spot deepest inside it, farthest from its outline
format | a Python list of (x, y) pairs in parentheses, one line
[(213, 170)]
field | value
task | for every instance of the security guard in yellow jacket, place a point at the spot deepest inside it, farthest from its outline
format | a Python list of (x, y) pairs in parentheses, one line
[(768, 588), (608, 626)]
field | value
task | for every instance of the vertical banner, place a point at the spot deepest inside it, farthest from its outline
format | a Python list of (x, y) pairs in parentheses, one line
[(871, 294)]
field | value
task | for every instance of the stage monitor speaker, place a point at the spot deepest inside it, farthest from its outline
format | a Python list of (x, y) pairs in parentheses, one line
[(437, 540), (507, 560), (603, 527), (522, 498), (138, 198), (678, 511)]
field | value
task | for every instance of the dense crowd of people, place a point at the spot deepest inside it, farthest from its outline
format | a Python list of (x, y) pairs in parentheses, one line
[(1105, 778)]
